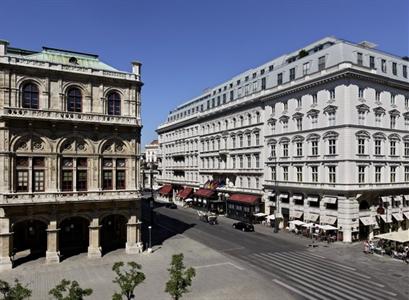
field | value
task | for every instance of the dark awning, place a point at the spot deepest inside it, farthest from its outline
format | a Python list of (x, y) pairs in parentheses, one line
[(245, 198), (183, 194), (204, 193), (165, 190)]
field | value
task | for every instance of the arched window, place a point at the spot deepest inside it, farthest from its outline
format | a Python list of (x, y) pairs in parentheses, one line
[(30, 96), (74, 100), (114, 104)]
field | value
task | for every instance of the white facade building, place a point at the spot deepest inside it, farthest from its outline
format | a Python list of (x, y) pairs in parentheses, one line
[(320, 134)]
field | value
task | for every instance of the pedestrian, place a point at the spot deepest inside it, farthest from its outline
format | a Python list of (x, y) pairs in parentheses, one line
[(366, 247)]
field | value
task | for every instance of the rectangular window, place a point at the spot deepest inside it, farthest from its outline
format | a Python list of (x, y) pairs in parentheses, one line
[(314, 98), (299, 124), (22, 181), (332, 176), (393, 174), (241, 141), (273, 150), (392, 148), (285, 150), (273, 173), (331, 119), (406, 174), (378, 174), (393, 122), (67, 180), (299, 102), (248, 140), (361, 117), (378, 120), (372, 62), (38, 181), (248, 158), (257, 136), (279, 78), (305, 68), (314, 148), (332, 146), (81, 180), (361, 174), (299, 148), (393, 100), (321, 63), (292, 74), (120, 179), (406, 149), (231, 95), (241, 161), (299, 174), (257, 158), (394, 68), (107, 180), (314, 173), (285, 173), (314, 121), (359, 59), (233, 162), (378, 147), (405, 71), (361, 146), (263, 83), (383, 65)]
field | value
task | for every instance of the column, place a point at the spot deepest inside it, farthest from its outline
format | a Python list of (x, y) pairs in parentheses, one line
[(133, 236), (53, 254), (94, 248), (6, 241)]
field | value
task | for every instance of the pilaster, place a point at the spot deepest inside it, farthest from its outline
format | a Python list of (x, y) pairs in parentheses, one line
[(94, 248), (52, 254), (133, 236)]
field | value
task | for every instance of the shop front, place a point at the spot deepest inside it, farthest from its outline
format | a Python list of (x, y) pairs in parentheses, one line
[(185, 193), (243, 206), (202, 199), (165, 192)]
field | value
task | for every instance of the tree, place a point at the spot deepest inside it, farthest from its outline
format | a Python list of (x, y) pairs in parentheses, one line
[(127, 279), (180, 277), (16, 292), (71, 290)]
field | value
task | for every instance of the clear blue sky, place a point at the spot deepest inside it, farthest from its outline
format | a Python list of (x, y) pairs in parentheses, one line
[(186, 45)]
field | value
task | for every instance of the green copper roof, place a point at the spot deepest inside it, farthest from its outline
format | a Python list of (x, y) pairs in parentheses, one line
[(65, 57)]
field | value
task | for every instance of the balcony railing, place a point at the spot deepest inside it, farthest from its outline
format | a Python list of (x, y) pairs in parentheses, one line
[(52, 197), (41, 114)]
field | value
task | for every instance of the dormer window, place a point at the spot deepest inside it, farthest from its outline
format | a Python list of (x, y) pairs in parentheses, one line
[(73, 60)]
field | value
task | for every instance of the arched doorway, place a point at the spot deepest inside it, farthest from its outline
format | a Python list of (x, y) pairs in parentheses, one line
[(113, 233), (74, 236), (29, 240)]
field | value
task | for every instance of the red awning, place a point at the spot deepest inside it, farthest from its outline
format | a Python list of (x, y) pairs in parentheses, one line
[(204, 193), (183, 194), (245, 198), (165, 190)]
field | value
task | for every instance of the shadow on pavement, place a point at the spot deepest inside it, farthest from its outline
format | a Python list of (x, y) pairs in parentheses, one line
[(163, 228)]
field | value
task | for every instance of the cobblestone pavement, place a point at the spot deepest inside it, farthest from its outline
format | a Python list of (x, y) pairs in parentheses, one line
[(217, 276)]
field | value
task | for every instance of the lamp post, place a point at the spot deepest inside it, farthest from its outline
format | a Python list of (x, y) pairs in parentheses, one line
[(150, 239)]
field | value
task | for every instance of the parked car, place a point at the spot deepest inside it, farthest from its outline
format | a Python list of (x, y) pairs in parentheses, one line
[(243, 226), (171, 205)]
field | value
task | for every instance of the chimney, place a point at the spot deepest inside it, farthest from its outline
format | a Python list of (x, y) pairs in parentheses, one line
[(136, 68), (3, 47)]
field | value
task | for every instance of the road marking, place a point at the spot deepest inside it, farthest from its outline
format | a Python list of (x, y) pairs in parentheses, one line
[(232, 249), (297, 291), (290, 267), (220, 264)]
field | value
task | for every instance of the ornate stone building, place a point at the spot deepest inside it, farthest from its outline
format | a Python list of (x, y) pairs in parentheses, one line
[(69, 154)]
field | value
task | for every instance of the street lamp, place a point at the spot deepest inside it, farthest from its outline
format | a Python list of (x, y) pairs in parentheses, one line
[(150, 239)]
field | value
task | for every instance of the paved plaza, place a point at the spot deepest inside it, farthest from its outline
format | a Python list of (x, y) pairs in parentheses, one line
[(217, 276)]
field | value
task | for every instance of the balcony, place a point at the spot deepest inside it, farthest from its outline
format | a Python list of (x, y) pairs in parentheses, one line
[(61, 197), (64, 116)]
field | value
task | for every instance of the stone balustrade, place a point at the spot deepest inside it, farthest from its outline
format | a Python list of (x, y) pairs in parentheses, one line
[(52, 197), (26, 113)]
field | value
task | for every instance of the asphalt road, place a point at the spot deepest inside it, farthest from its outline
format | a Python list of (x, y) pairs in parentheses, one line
[(289, 263)]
